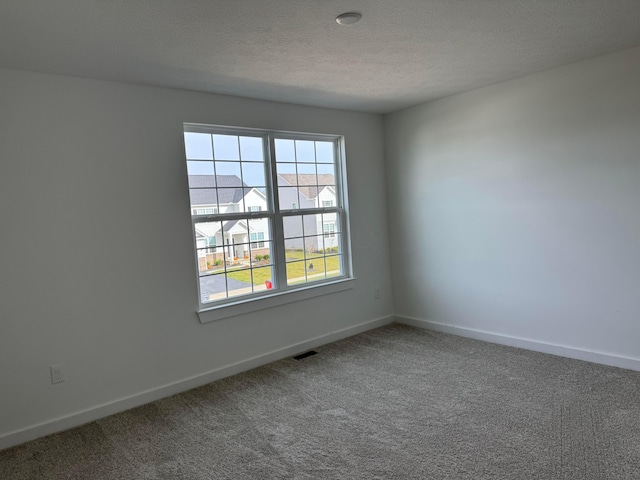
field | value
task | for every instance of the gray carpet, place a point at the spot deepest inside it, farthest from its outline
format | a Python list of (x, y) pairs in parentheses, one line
[(393, 403)]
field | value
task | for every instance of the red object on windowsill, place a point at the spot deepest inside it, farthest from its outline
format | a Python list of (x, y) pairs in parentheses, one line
[(268, 284)]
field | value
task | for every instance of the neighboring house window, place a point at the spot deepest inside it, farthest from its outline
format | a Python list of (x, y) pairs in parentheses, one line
[(329, 230), (257, 239), (204, 211), (271, 234), (211, 243)]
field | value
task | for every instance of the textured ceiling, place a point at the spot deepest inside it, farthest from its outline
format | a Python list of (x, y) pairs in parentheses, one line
[(402, 53)]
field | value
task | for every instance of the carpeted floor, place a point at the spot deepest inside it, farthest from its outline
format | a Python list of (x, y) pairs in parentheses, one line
[(393, 403)]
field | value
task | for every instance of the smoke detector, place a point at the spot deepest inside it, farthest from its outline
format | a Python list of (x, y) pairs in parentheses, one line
[(349, 18)]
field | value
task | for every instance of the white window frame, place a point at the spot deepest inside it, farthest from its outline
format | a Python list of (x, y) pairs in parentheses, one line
[(281, 293)]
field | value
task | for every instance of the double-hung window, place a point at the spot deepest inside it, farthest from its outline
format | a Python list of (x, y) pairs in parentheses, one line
[(268, 211)]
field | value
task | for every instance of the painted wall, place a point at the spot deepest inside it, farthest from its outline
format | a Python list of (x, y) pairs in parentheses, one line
[(97, 270), (515, 209)]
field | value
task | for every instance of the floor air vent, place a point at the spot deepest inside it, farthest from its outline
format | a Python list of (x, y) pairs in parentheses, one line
[(305, 354)]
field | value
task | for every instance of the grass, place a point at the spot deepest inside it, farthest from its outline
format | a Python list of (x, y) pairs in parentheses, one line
[(295, 269), (260, 275)]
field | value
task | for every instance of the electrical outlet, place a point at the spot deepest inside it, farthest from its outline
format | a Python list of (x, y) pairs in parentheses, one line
[(57, 374), (376, 293)]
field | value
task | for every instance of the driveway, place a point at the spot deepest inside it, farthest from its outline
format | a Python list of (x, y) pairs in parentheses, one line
[(212, 284)]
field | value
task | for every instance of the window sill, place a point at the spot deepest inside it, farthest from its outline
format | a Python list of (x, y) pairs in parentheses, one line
[(241, 307)]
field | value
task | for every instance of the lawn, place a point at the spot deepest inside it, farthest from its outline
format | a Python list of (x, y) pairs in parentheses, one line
[(295, 269)]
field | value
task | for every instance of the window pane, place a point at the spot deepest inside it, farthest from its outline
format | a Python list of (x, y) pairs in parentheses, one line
[(259, 225), (313, 246), (331, 219), (202, 181), (296, 273), (229, 168), (285, 150), (200, 168), (332, 243), (225, 147), (253, 174), (235, 231), (307, 169), (238, 272), (261, 278), (288, 198), (213, 287), (243, 280), (239, 282), (251, 149), (286, 169), (305, 151), (326, 190), (198, 146), (326, 169), (324, 152), (312, 225), (334, 265), (294, 249), (292, 226), (202, 198), (316, 269), (230, 199), (262, 255), (208, 239), (259, 233), (252, 198), (210, 260)]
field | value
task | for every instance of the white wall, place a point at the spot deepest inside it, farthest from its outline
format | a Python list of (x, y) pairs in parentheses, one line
[(515, 209), (97, 270)]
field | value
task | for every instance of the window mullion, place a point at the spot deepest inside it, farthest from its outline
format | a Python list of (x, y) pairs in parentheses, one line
[(277, 227)]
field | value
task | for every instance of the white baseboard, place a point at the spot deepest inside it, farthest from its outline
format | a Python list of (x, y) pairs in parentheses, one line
[(537, 346), (100, 411)]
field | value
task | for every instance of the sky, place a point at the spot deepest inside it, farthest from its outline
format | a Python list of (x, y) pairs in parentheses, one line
[(243, 155)]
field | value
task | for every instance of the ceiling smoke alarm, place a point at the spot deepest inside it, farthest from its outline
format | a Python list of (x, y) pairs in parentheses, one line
[(349, 18)]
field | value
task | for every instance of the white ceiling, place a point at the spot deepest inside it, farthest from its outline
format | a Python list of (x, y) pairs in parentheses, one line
[(402, 53)]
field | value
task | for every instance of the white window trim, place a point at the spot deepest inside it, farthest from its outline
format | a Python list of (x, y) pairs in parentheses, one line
[(286, 294), (254, 304)]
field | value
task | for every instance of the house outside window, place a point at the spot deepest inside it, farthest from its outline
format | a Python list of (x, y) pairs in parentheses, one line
[(267, 228), (257, 239), (329, 230), (204, 211)]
